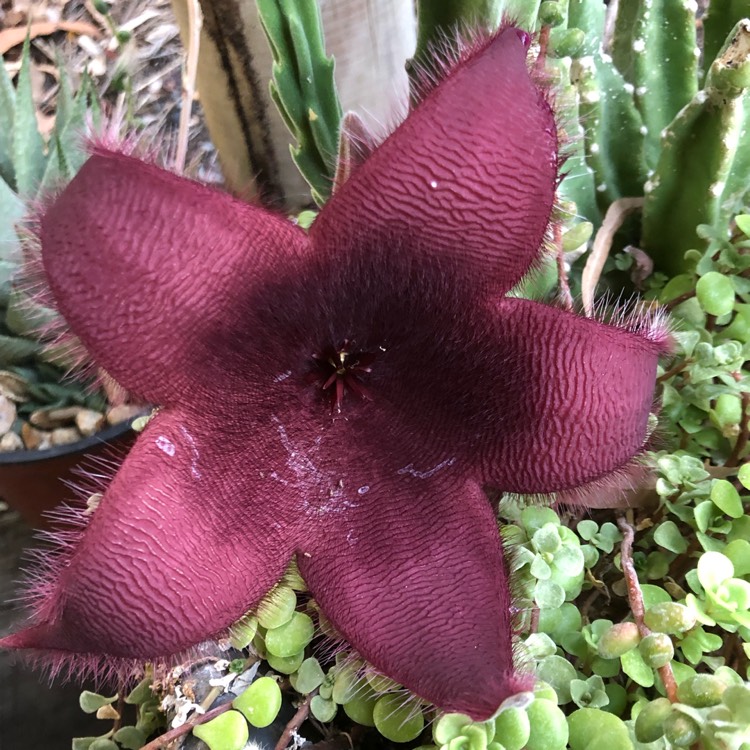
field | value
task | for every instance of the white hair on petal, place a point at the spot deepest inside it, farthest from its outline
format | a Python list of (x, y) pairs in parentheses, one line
[(636, 316)]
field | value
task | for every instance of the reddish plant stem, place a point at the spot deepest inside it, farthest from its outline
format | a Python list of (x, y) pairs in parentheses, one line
[(679, 300), (744, 436), (674, 370), (120, 709), (543, 44), (635, 596), (173, 734), (296, 721)]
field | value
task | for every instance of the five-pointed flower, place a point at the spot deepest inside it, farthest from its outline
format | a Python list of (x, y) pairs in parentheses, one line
[(342, 395)]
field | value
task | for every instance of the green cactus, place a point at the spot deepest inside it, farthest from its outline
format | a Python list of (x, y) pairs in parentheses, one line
[(654, 47), (640, 124), (718, 22), (701, 176)]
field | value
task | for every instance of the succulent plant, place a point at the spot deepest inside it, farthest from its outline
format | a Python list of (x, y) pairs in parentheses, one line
[(656, 115), (39, 406)]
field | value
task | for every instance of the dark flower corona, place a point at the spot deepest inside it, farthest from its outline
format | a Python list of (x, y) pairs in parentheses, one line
[(343, 396)]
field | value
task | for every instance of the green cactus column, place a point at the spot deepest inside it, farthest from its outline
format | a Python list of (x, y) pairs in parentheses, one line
[(703, 168), (655, 49)]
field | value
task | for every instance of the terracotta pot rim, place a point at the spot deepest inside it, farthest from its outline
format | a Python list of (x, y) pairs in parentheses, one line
[(80, 446)]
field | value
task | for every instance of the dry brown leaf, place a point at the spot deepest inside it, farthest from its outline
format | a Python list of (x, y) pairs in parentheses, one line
[(10, 38)]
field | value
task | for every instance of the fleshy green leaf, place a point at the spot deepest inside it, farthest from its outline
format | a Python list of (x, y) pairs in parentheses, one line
[(28, 146)]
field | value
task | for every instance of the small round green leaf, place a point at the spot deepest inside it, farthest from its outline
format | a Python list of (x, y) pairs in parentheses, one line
[(261, 702), (592, 729), (681, 730), (715, 293), (277, 607), (743, 223), (91, 702), (557, 672), (669, 536), (618, 640), (285, 664), (130, 738), (649, 724), (656, 649), (548, 594), (726, 498), (637, 669), (701, 690), (669, 617), (448, 727), (291, 637), (513, 728), (396, 719), (322, 709), (744, 476), (362, 707), (309, 676), (547, 725), (228, 731)]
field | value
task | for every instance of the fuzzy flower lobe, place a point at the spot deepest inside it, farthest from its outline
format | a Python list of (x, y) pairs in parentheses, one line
[(341, 396)]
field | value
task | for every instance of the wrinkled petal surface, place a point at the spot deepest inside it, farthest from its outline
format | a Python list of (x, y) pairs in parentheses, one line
[(572, 402), (468, 180), (186, 540), (143, 263), (411, 573), (343, 397)]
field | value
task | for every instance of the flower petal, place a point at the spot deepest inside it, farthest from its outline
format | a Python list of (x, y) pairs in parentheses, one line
[(411, 573), (144, 265), (572, 401), (181, 546), (469, 177)]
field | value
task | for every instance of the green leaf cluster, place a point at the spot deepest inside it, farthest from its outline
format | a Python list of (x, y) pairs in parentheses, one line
[(31, 166)]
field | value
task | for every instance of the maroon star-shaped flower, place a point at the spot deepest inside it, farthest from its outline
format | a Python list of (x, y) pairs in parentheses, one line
[(343, 395)]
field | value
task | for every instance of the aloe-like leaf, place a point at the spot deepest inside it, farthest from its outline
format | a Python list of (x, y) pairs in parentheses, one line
[(11, 211), (64, 98), (25, 317), (8, 269), (94, 105), (15, 350), (58, 168), (28, 145), (67, 154), (7, 110), (71, 136)]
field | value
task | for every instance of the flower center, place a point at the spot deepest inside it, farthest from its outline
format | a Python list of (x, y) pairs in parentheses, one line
[(340, 369)]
